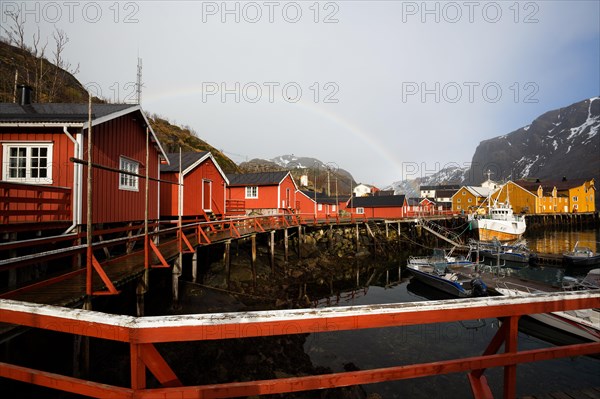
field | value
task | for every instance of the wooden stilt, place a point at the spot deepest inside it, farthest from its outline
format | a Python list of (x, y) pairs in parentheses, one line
[(272, 250), (357, 238), (195, 266), (253, 258), (299, 241), (227, 261), (285, 244)]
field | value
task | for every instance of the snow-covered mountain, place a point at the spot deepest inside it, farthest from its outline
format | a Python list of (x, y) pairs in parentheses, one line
[(563, 142), (313, 168), (410, 187)]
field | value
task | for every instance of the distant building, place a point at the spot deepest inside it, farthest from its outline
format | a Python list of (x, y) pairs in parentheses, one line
[(264, 193), (470, 198), (432, 192), (546, 197), (362, 190), (378, 207)]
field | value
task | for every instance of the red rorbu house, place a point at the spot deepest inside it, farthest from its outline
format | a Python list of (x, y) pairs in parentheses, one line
[(314, 204), (378, 207), (266, 193), (420, 207), (202, 184), (40, 184)]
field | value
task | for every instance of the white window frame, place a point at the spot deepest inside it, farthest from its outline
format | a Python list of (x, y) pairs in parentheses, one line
[(252, 193), (319, 207), (360, 210), (129, 182), (28, 145), (575, 199)]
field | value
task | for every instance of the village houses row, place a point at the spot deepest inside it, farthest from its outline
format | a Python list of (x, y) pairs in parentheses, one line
[(44, 175)]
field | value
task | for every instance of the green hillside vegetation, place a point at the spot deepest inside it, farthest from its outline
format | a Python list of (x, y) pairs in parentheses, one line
[(173, 137)]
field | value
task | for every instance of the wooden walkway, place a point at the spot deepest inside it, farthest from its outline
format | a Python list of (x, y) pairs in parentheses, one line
[(588, 393)]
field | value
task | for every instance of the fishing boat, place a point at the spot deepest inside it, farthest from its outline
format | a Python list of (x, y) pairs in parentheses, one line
[(500, 223), (582, 323), (581, 257), (457, 277)]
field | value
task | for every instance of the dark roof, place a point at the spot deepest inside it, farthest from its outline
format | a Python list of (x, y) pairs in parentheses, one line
[(321, 197), (257, 179), (377, 202), (441, 187), (50, 112), (413, 201), (384, 192), (446, 193), (548, 185), (187, 160)]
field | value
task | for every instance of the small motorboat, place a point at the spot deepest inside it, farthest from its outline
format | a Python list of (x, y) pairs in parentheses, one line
[(514, 253), (457, 277), (581, 257)]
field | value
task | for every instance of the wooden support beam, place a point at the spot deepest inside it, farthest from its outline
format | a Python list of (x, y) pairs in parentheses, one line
[(195, 266), (272, 250), (253, 258), (227, 262), (299, 242), (285, 244)]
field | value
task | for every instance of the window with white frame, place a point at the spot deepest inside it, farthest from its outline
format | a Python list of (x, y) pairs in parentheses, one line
[(360, 210), (28, 162), (575, 199), (251, 192), (126, 181), (319, 207)]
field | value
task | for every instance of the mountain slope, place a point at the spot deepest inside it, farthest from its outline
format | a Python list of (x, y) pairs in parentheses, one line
[(562, 142)]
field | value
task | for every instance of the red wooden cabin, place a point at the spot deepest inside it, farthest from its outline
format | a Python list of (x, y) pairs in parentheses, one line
[(378, 207), (266, 193), (317, 205), (39, 182), (203, 187)]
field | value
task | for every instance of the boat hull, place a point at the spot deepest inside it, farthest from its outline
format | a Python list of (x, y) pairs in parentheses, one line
[(580, 261), (441, 284), (489, 229)]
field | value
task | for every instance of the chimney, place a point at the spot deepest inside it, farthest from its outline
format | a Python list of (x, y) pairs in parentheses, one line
[(24, 94), (564, 178)]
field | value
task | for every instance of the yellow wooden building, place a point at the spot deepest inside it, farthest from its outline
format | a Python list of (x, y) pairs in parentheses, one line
[(470, 199), (548, 197)]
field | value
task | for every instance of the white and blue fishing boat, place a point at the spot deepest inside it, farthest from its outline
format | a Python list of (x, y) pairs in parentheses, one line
[(457, 277)]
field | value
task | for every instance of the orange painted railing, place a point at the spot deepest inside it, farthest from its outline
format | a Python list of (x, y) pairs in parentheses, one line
[(143, 333), (23, 203)]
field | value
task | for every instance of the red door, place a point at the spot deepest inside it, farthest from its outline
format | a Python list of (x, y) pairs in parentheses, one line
[(206, 195)]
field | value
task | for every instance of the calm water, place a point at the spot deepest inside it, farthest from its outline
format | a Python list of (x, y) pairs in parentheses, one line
[(373, 348), (387, 347), (557, 242)]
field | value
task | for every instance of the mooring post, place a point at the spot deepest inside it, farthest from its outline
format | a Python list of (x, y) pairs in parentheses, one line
[(195, 266), (253, 258), (140, 291), (285, 244), (227, 261), (272, 250), (175, 280)]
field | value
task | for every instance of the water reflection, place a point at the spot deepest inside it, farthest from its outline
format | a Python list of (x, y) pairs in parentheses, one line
[(557, 242)]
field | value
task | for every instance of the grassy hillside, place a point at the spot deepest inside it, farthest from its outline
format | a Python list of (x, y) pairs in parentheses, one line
[(173, 137)]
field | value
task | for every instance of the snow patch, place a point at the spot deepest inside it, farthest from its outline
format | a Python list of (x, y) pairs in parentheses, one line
[(592, 122)]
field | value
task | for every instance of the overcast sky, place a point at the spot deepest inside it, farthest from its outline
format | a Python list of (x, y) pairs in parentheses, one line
[(377, 87)]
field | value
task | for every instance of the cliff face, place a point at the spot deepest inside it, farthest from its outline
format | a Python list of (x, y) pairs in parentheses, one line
[(563, 142)]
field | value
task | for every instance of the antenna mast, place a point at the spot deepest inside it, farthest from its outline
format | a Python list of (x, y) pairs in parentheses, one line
[(138, 86)]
